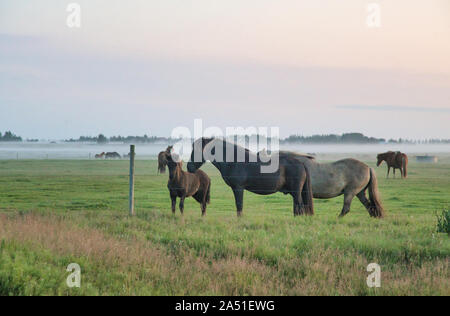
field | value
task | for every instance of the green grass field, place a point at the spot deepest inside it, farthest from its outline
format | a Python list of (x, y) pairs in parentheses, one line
[(53, 213)]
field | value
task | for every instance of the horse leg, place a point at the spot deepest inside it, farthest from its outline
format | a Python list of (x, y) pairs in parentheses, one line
[(394, 172), (174, 202), (203, 209), (348, 197), (239, 199), (389, 169), (200, 197), (203, 203), (297, 199), (362, 197), (182, 203), (300, 205)]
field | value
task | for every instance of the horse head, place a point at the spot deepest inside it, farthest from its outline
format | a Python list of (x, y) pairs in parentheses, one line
[(380, 159), (197, 158), (384, 156), (174, 163)]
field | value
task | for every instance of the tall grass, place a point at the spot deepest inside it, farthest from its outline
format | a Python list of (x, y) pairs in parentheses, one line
[(443, 225)]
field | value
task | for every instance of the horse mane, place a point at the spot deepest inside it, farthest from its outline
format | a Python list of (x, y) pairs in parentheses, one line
[(385, 154), (206, 141), (177, 161)]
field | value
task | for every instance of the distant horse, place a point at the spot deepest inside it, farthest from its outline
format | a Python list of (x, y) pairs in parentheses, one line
[(162, 159), (348, 176), (100, 156), (183, 184), (292, 177), (396, 160), (112, 155)]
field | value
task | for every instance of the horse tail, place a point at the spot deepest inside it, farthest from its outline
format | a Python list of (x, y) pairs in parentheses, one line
[(404, 165), (375, 207), (207, 197), (307, 194)]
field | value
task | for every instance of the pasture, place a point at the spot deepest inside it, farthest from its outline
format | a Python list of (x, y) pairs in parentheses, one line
[(54, 212)]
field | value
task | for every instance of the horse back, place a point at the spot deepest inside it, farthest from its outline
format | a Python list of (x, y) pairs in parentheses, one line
[(333, 179), (196, 182), (202, 178)]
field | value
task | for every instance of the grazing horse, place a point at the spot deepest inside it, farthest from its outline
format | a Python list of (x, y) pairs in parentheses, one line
[(396, 160), (100, 156), (112, 155), (162, 159), (245, 173), (183, 184)]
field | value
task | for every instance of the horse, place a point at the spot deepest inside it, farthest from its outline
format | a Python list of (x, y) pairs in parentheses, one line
[(292, 176), (349, 177), (112, 155), (183, 184), (396, 160), (162, 159), (100, 156)]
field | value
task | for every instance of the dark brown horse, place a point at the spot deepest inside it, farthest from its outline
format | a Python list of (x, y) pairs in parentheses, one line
[(184, 184), (395, 160), (246, 172), (162, 159)]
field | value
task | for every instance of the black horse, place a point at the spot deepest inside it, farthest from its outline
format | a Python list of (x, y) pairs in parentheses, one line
[(243, 170)]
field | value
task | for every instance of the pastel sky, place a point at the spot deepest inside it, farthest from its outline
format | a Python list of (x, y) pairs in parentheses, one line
[(145, 67)]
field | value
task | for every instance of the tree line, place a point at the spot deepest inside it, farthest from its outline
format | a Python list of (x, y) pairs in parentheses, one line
[(349, 138), (102, 139), (9, 137), (356, 138), (346, 138)]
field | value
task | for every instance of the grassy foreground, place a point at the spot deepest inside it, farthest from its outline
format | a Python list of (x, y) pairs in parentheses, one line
[(53, 213)]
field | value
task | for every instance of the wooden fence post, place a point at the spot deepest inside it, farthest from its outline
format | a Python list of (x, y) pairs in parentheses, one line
[(132, 180)]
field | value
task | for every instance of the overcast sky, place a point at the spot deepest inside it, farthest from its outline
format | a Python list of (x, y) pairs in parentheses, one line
[(146, 67)]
